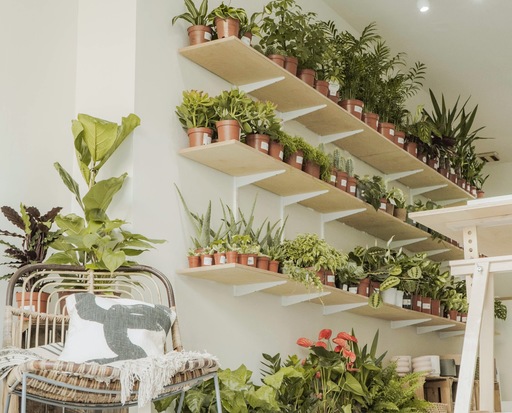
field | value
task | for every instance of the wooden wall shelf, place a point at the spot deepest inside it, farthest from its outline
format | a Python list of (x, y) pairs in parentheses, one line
[(332, 299), (240, 160), (242, 66)]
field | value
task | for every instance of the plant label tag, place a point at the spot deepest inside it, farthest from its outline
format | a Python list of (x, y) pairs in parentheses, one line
[(392, 132), (29, 307), (207, 261), (383, 206), (222, 259), (352, 290), (333, 88), (246, 40), (464, 319), (352, 189), (344, 287), (264, 146), (250, 261), (358, 109), (392, 202), (299, 159), (207, 36), (330, 279), (418, 303), (426, 306), (207, 139), (343, 182), (333, 178), (406, 302), (401, 141)]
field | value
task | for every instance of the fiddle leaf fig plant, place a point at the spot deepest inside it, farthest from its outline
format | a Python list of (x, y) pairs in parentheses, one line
[(96, 241)]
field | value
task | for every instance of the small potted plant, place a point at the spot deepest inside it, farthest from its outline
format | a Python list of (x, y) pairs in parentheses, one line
[(249, 27), (199, 31), (292, 147), (397, 198), (261, 123), (227, 20), (231, 109), (372, 190), (36, 237), (196, 114)]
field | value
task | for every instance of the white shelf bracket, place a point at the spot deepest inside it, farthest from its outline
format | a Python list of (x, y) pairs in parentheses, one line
[(399, 175), (337, 136), (250, 87), (407, 323), (241, 181), (332, 309), (430, 329), (294, 114), (404, 242), (293, 199), (419, 191), (239, 290), (300, 298), (333, 216), (435, 252), (448, 334)]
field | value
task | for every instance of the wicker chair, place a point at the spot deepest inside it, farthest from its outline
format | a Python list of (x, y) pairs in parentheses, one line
[(84, 386)]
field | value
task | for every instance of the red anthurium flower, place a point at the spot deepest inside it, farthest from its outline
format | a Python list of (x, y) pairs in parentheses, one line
[(325, 334), (340, 342), (349, 354), (321, 344), (338, 349), (304, 342), (346, 336)]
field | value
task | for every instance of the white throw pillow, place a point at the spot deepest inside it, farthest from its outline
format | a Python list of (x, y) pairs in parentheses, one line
[(105, 330)]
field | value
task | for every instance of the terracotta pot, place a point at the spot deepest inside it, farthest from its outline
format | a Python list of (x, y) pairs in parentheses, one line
[(383, 204), (390, 208), (278, 59), (462, 183), (247, 259), (262, 262), (422, 156), (426, 305), (399, 138), (371, 119), (364, 287), (227, 27), (332, 176), (247, 38), (452, 315), (296, 159), (273, 266), (353, 106), (435, 307), (463, 317), (258, 141), (341, 180), (307, 76), (352, 185), (335, 97), (219, 258), (444, 172), (33, 301), (400, 213), (327, 278), (388, 130), (472, 190), (453, 177), (275, 150), (206, 260), (407, 301), (432, 163), (194, 261), (199, 136), (231, 257), (311, 168), (322, 86), (228, 130), (412, 148), (480, 193), (416, 302), (291, 63), (199, 34)]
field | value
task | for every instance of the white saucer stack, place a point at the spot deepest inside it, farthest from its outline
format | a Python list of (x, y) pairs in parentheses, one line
[(429, 364), (403, 364)]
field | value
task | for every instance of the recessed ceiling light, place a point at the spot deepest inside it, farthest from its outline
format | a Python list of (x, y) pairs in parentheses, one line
[(423, 5)]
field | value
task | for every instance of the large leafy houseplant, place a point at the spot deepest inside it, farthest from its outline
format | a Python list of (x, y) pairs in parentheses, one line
[(95, 240), (31, 244)]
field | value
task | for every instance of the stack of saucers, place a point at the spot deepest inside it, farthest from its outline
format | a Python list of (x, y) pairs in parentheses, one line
[(403, 364), (427, 364)]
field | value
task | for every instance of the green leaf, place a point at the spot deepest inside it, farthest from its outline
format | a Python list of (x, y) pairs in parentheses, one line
[(353, 385), (70, 183), (389, 282), (99, 135), (66, 258), (113, 259), (70, 222), (100, 195), (375, 300)]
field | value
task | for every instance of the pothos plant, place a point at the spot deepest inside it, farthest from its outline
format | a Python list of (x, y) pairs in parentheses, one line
[(94, 240)]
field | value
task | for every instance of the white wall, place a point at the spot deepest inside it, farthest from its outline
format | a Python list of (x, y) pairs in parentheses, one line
[(149, 82)]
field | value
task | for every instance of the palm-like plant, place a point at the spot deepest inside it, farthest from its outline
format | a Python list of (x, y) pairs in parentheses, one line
[(195, 16)]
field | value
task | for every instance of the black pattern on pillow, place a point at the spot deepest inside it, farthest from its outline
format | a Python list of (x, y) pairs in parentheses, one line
[(105, 330)]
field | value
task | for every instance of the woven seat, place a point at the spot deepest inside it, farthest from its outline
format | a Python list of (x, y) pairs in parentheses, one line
[(90, 385)]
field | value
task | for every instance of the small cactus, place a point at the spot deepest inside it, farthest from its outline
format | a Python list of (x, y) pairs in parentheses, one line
[(349, 167)]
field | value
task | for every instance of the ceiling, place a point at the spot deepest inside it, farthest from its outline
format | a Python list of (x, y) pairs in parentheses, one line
[(465, 45)]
